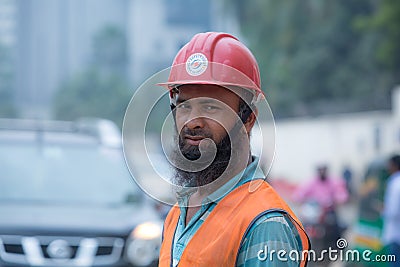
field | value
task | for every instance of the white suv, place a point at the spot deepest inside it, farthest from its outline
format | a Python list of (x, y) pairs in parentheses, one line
[(67, 198)]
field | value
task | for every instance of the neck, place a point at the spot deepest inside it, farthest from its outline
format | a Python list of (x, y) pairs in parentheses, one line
[(203, 191)]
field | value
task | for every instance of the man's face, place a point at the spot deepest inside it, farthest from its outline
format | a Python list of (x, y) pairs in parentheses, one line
[(207, 112), (204, 111)]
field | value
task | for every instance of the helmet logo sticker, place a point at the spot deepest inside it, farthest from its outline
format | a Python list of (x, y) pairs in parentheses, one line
[(196, 64)]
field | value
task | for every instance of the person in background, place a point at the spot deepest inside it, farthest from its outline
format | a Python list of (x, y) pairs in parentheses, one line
[(327, 193), (348, 178), (391, 213)]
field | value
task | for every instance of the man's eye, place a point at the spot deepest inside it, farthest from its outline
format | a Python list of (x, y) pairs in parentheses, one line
[(211, 108), (183, 106)]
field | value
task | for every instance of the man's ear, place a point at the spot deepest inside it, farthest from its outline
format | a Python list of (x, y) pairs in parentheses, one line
[(251, 120)]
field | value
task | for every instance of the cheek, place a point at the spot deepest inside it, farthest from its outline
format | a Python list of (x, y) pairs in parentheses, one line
[(179, 121), (219, 130)]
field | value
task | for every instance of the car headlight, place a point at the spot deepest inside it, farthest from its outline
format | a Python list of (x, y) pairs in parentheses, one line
[(143, 244), (147, 231)]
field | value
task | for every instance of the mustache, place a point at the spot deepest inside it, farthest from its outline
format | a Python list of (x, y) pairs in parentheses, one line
[(195, 132)]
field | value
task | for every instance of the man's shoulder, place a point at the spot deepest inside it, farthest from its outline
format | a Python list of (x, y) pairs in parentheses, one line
[(273, 225), (273, 230)]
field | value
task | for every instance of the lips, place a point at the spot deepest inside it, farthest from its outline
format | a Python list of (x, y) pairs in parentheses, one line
[(193, 140)]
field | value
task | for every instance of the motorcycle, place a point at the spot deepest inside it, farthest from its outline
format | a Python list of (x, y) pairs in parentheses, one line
[(321, 225)]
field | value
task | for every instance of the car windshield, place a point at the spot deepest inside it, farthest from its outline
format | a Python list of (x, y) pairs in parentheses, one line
[(64, 173)]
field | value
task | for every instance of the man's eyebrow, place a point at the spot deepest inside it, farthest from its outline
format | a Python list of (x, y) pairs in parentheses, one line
[(209, 101), (202, 101)]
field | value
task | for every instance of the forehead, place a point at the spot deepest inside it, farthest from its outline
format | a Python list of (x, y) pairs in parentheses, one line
[(220, 93)]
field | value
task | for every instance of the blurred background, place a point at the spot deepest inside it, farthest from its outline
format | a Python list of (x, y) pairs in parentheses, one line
[(330, 65), (330, 71)]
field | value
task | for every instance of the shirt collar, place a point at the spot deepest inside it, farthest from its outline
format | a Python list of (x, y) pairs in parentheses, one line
[(252, 171)]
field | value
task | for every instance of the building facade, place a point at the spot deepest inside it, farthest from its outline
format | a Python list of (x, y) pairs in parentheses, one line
[(54, 40)]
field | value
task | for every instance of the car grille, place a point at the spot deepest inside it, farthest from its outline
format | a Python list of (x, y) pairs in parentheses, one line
[(60, 250)]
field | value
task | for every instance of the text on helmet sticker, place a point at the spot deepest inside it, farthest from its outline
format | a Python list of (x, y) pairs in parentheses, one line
[(196, 64)]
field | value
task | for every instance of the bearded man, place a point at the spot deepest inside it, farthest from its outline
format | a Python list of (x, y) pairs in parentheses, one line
[(227, 214)]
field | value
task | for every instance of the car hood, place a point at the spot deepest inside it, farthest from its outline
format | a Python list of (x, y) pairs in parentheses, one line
[(117, 220)]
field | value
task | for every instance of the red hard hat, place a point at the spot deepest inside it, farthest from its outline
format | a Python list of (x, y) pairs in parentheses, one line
[(215, 58)]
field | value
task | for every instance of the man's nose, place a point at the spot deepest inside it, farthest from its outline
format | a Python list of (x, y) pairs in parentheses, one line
[(195, 120)]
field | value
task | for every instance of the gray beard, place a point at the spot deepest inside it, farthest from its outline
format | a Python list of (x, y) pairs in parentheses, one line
[(200, 178), (223, 166)]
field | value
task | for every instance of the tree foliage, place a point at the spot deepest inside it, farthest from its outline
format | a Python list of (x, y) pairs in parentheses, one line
[(92, 94), (102, 89), (385, 22), (323, 56)]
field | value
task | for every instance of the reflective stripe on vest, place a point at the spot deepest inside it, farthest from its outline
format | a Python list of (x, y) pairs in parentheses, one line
[(217, 241)]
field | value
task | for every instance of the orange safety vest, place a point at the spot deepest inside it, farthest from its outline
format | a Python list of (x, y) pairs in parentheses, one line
[(217, 241)]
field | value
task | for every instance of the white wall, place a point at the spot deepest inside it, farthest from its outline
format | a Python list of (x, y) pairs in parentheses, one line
[(337, 140)]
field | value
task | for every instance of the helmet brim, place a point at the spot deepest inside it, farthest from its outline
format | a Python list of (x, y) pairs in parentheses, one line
[(171, 85)]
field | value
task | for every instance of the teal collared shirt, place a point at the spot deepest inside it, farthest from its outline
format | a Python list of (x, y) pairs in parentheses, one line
[(273, 230)]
